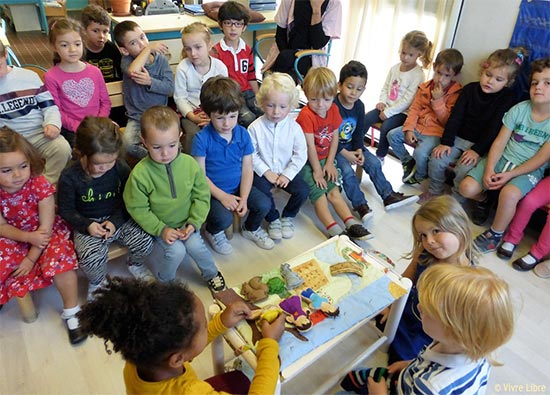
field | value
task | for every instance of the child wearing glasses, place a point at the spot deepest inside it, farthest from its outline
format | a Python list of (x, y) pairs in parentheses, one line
[(238, 57)]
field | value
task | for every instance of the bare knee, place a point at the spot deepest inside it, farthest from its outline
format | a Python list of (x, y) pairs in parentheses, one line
[(469, 188)]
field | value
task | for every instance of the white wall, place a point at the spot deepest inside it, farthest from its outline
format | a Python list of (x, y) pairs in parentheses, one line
[(484, 26)]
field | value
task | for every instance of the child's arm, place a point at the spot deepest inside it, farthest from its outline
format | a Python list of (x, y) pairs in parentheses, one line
[(230, 202), (442, 103), (383, 99), (104, 100), (247, 176), (497, 148), (50, 112), (261, 168), (313, 160), (146, 56), (329, 169), (52, 84), (453, 125), (298, 159), (405, 97)]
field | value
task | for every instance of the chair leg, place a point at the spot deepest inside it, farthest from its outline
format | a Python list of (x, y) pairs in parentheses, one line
[(359, 173), (26, 306)]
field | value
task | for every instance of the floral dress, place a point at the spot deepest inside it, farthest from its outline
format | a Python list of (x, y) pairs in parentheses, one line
[(20, 209)]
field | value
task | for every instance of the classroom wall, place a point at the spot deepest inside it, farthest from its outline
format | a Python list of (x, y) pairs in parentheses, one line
[(484, 26)]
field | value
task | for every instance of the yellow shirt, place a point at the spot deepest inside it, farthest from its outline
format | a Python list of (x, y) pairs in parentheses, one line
[(264, 381)]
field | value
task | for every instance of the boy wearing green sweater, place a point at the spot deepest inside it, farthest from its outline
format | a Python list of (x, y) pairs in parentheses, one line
[(168, 196)]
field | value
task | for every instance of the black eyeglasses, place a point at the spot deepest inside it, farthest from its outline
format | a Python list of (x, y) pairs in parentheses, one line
[(231, 23)]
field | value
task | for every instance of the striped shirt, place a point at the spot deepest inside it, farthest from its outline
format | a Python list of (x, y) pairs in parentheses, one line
[(436, 373)]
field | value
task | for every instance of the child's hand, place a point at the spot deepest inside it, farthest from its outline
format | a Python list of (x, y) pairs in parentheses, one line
[(24, 267), (51, 131), (331, 172), (374, 388), (319, 177), (349, 155), (39, 238), (500, 179), (96, 229), (469, 158), (487, 179), (199, 118), (275, 329), (234, 313), (230, 202), (242, 208), (380, 107), (384, 314), (186, 232), (159, 47), (410, 138), (109, 227), (141, 77), (282, 181), (382, 116), (170, 235), (441, 150), (359, 157), (397, 367), (271, 177), (437, 92)]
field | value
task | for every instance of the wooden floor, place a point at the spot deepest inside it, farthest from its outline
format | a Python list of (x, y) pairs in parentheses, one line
[(31, 48), (38, 359)]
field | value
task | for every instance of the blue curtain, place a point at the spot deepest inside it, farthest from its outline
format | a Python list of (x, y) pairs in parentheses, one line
[(532, 31)]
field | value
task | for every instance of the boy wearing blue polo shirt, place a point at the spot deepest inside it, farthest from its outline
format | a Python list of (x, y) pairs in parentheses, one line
[(224, 151)]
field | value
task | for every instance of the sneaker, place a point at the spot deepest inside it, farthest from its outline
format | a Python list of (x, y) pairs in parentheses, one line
[(397, 199), (141, 272), (274, 229), (217, 283), (219, 242), (91, 289), (409, 168), (260, 237), (287, 227), (481, 212), (364, 211), (358, 232), (425, 197), (506, 250), (487, 241), (525, 263), (414, 180), (543, 269)]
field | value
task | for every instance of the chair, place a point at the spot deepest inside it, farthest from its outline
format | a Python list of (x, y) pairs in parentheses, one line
[(299, 55), (36, 68), (359, 169)]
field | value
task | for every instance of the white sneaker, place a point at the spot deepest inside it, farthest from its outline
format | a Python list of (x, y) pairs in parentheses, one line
[(260, 237), (219, 242), (274, 230), (141, 272), (287, 227)]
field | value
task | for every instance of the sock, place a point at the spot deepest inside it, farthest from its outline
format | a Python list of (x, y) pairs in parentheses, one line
[(529, 259), (507, 246), (357, 380), (351, 220), (494, 232), (69, 315), (334, 229)]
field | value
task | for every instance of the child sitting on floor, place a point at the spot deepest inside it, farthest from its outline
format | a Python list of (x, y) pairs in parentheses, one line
[(168, 328)]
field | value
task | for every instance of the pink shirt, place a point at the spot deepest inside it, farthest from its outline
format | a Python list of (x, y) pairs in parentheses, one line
[(78, 94)]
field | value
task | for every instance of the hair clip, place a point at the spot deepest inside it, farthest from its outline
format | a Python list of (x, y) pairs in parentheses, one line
[(519, 58), (486, 65)]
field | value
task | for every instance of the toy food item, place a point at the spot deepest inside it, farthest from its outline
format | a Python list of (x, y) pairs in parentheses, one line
[(319, 302), (254, 290), (297, 316), (292, 279), (346, 267)]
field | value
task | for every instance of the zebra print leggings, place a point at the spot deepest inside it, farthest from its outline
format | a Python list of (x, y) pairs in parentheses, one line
[(92, 251)]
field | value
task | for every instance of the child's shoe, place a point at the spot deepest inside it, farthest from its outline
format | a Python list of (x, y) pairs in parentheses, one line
[(397, 199), (274, 229), (76, 335), (141, 272), (414, 180), (219, 242), (481, 212), (525, 263), (409, 168), (488, 241), (216, 283), (287, 227), (364, 211), (358, 232), (506, 250), (357, 380), (260, 237)]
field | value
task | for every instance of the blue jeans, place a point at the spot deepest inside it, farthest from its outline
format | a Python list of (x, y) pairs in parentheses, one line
[(352, 186), (437, 167), (298, 189), (392, 122), (132, 139), (174, 254), (422, 151), (219, 218)]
